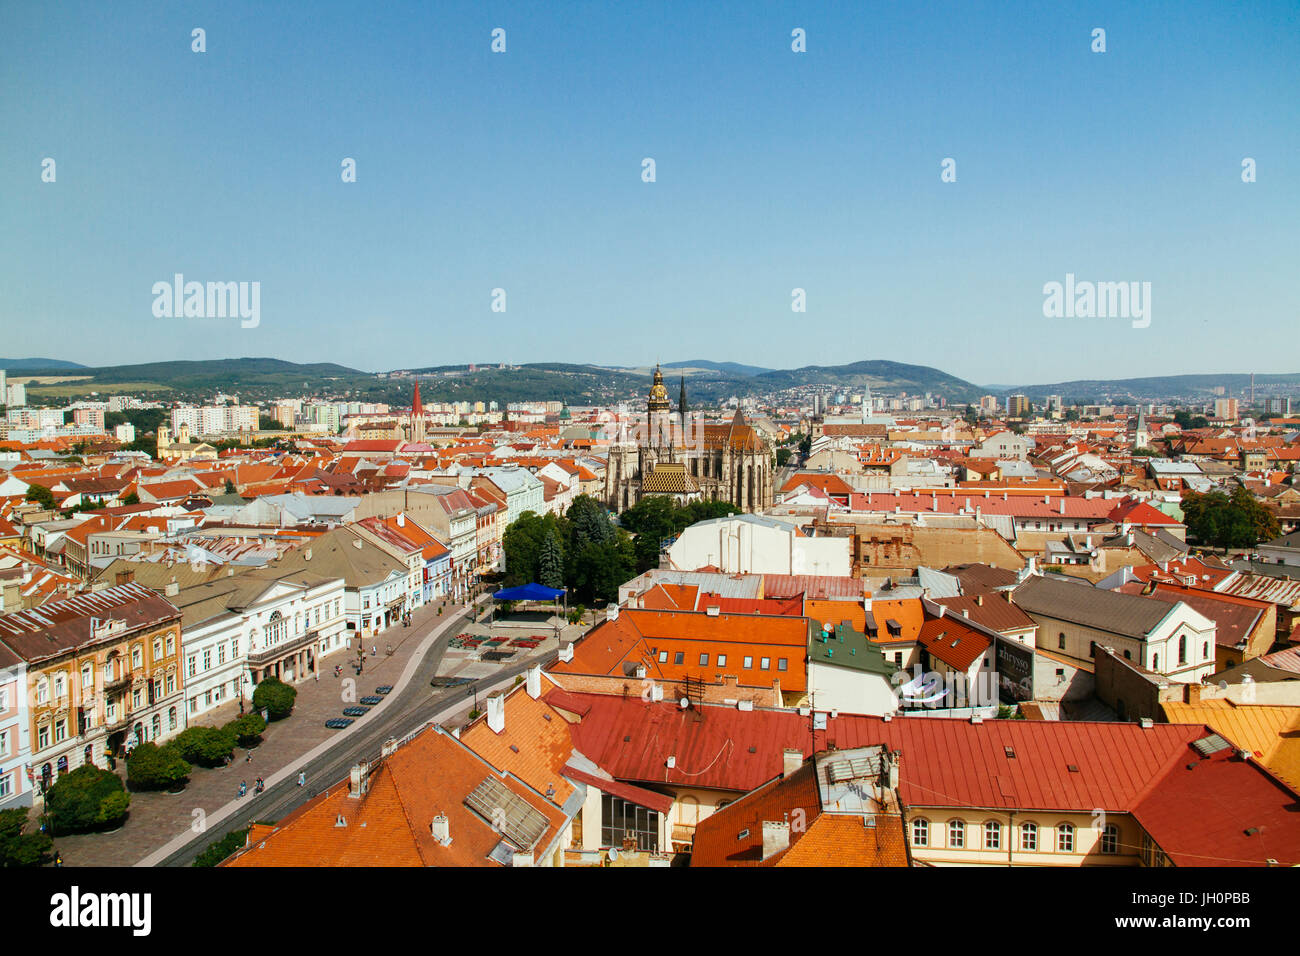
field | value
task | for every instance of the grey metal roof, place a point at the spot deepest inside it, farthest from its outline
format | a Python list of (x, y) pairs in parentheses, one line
[(1080, 603)]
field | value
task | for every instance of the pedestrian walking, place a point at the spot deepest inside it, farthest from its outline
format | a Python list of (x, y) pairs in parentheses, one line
[(243, 787), (58, 859), (316, 674), (302, 779), (248, 757)]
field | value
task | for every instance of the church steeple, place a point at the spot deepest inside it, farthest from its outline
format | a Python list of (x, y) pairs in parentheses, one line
[(681, 402)]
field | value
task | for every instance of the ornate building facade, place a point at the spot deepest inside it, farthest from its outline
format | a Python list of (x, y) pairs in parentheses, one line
[(724, 462)]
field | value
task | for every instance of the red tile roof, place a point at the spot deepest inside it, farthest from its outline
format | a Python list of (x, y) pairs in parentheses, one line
[(1007, 764)]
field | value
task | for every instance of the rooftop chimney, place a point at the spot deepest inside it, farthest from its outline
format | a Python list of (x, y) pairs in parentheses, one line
[(172, 589), (307, 555), (791, 760), (401, 519), (359, 781), (776, 837), (496, 713), (534, 681), (566, 653)]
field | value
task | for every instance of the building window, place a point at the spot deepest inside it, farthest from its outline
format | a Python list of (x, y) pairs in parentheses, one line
[(704, 660), (87, 675), (1182, 649), (157, 648), (171, 644), (782, 664), (1029, 836), (663, 657), (722, 660), (171, 683), (5, 786), (956, 834), (207, 659), (621, 819), (137, 658), (135, 699), (679, 657), (1205, 650), (749, 662), (1060, 641), (1110, 839), (59, 688), (765, 663), (1155, 662), (234, 648), (992, 835), (42, 691), (920, 833), (4, 743), (60, 731), (221, 653), (43, 737), (1065, 838), (190, 667)]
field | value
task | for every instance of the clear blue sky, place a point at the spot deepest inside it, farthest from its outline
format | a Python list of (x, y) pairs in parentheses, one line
[(775, 170)]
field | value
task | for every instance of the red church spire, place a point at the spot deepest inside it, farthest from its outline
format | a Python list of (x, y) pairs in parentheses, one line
[(417, 407)]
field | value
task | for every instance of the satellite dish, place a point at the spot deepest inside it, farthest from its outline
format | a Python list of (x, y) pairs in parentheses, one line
[(684, 702)]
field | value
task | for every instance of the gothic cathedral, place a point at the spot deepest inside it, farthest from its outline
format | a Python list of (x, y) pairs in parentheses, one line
[(689, 460)]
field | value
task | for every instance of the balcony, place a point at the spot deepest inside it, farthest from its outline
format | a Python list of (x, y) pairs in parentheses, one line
[(276, 651), (117, 686)]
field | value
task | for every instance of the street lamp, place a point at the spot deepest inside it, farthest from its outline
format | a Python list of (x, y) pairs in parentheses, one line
[(242, 680)]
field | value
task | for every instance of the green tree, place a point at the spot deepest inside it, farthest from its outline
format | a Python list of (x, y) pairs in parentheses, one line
[(218, 851), (805, 446), (230, 487), (589, 521), (151, 767), (42, 496), (88, 798), (131, 499), (206, 746), (597, 570), (1228, 521), (18, 848), (782, 457), (522, 545), (247, 729), (275, 697), (550, 562)]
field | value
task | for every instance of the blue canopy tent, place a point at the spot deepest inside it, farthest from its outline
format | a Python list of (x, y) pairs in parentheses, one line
[(528, 592)]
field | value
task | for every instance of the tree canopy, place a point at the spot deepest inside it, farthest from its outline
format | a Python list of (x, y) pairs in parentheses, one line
[(657, 517), (87, 798), (582, 551), (1228, 521)]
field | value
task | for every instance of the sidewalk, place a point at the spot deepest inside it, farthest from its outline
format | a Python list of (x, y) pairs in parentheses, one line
[(157, 818)]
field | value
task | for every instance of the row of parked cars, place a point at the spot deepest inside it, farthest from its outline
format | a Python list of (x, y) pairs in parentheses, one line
[(355, 711)]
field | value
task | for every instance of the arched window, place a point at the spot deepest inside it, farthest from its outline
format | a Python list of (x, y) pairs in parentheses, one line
[(171, 719), (60, 687), (957, 834), (62, 765), (1061, 641), (1065, 838), (1155, 662), (1029, 836), (920, 833), (992, 835), (275, 628), (157, 647), (1110, 839), (88, 756)]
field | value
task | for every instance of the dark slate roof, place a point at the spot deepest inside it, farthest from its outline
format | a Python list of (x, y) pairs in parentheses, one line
[(1080, 603)]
